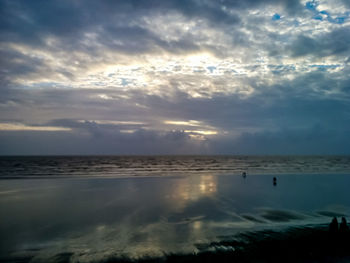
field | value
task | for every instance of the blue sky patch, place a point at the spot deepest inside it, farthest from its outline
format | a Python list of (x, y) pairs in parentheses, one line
[(125, 82), (340, 20), (276, 17), (211, 69), (311, 5), (320, 15)]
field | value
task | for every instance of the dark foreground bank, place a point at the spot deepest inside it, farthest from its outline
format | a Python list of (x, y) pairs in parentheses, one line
[(301, 244), (306, 244)]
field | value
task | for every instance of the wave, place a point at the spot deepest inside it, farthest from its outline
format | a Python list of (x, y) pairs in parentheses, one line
[(126, 166)]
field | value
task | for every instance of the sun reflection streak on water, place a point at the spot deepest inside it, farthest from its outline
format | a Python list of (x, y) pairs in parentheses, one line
[(191, 189), (101, 218)]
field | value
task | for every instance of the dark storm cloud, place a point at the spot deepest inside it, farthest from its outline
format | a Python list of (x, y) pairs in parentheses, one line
[(30, 21), (314, 140), (336, 43), (102, 130), (291, 6), (346, 3), (135, 39), (289, 105), (58, 143), (16, 63), (292, 117), (22, 106)]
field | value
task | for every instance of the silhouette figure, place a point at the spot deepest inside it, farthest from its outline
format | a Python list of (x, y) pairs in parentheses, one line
[(274, 181), (343, 227), (244, 174), (333, 226)]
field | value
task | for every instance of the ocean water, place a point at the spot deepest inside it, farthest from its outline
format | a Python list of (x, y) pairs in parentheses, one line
[(121, 166), (96, 209)]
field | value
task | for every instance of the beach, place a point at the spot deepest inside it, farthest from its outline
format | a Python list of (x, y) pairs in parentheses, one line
[(142, 131), (177, 218)]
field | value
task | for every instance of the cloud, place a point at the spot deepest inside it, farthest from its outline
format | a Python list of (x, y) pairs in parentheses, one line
[(173, 76), (139, 142), (33, 23), (346, 3), (335, 43), (22, 127), (316, 140)]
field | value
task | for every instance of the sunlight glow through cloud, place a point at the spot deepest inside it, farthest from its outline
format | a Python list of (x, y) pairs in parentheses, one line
[(184, 123), (23, 127), (177, 77)]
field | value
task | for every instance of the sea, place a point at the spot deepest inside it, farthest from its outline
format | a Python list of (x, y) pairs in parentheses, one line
[(127, 166), (131, 208)]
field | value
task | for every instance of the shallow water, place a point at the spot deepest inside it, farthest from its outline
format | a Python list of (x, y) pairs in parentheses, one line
[(93, 219)]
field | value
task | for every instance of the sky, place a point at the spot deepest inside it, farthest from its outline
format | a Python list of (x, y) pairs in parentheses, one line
[(174, 77)]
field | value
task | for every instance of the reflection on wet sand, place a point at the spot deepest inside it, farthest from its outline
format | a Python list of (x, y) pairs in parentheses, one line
[(94, 219), (191, 189)]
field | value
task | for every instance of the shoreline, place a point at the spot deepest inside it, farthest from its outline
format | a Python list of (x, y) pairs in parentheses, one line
[(309, 243), (167, 175), (172, 219)]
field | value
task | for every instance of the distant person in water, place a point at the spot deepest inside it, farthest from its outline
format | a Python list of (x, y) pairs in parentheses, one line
[(343, 227), (274, 181), (244, 174), (333, 226)]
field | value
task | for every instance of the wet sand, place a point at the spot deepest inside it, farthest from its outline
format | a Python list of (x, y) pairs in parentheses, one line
[(168, 218)]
